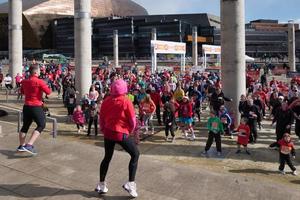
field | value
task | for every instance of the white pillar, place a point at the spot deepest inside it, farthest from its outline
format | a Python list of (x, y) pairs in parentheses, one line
[(15, 38), (154, 34), (153, 55), (182, 63), (195, 46), (83, 46), (116, 48), (292, 46), (233, 52)]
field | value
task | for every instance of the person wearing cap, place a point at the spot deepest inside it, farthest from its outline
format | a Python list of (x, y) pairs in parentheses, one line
[(117, 120), (186, 117), (33, 89)]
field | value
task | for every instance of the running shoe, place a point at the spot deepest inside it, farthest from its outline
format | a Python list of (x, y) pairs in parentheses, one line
[(30, 149), (130, 187), (295, 173), (20, 148), (282, 172), (101, 188)]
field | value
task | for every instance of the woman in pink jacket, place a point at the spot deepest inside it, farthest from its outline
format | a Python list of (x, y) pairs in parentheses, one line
[(117, 121)]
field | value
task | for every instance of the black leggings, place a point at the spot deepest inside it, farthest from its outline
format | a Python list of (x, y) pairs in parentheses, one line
[(169, 128), (210, 140), (285, 159), (36, 114), (93, 120), (130, 147)]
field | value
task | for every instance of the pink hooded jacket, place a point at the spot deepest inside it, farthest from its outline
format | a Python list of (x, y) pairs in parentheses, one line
[(117, 114)]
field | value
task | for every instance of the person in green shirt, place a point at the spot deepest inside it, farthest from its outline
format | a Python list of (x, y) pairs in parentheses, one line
[(215, 129)]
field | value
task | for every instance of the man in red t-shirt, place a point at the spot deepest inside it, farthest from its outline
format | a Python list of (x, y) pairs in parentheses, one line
[(33, 89)]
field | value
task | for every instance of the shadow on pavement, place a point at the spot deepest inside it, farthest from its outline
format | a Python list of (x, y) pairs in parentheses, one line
[(254, 171), (14, 154), (28, 191), (296, 181)]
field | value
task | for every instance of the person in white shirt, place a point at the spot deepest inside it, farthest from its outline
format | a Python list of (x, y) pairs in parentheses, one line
[(8, 82)]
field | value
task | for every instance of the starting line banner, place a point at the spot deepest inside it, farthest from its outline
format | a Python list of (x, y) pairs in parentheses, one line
[(211, 49), (165, 47)]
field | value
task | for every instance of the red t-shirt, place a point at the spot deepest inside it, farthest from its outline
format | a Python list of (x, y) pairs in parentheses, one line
[(244, 133), (285, 147), (33, 89)]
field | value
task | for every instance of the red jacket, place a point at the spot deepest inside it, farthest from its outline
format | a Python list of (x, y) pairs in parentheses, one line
[(286, 147), (148, 108), (78, 117), (33, 89), (155, 96), (117, 117), (244, 133), (186, 110)]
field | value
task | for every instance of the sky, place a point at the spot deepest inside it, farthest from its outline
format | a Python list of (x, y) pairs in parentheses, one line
[(282, 10)]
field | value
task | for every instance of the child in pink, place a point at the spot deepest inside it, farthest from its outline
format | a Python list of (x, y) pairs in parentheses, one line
[(78, 118)]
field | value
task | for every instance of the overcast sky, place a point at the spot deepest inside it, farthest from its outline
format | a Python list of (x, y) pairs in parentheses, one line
[(283, 10)]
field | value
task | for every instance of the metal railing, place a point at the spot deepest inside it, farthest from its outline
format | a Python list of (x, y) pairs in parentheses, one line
[(20, 117)]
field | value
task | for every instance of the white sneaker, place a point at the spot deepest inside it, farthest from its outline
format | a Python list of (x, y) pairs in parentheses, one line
[(231, 136), (295, 173), (78, 131), (152, 131), (167, 139), (101, 188), (173, 139), (186, 135), (130, 187), (282, 172), (204, 153), (193, 137)]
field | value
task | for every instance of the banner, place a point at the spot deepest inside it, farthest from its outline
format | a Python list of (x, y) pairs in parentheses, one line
[(211, 49), (164, 47)]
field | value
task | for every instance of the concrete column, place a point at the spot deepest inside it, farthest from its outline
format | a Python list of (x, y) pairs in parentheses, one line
[(195, 46), (154, 34), (153, 55), (233, 52), (83, 45), (15, 38), (292, 46), (116, 48)]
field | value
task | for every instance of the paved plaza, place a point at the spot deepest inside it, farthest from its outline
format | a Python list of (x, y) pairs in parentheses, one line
[(67, 167)]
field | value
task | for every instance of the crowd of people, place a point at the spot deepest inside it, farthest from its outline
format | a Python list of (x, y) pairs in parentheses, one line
[(177, 103)]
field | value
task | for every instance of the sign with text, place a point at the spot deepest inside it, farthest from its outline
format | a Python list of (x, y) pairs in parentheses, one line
[(211, 49), (164, 47)]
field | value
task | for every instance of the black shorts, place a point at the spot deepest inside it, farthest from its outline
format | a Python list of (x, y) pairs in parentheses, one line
[(36, 114)]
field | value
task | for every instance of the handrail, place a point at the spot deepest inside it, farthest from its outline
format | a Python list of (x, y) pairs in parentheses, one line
[(20, 116)]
